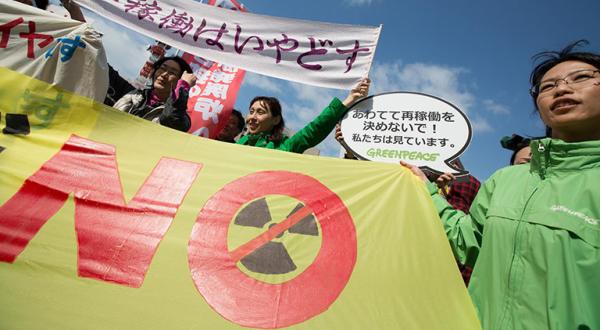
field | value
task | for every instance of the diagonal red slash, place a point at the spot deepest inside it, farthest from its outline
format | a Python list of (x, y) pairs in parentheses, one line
[(270, 234)]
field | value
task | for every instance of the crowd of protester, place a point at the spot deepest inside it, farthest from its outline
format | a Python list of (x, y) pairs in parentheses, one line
[(529, 233)]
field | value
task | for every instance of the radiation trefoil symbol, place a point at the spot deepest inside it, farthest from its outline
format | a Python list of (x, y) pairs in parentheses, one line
[(273, 257), (271, 262)]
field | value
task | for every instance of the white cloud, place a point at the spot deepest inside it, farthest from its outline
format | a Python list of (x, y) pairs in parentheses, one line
[(495, 108), (309, 102), (448, 83), (432, 79), (298, 115), (262, 82), (480, 125), (357, 3), (315, 96)]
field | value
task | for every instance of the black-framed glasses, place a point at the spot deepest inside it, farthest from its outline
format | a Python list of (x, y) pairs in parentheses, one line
[(575, 79)]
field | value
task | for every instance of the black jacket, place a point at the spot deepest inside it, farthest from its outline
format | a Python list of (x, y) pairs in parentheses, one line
[(172, 113)]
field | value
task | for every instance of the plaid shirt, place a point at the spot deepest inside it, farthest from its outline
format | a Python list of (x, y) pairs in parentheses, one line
[(460, 195)]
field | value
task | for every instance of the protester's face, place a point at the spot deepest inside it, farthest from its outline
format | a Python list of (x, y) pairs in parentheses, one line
[(523, 156), (166, 76), (231, 130), (260, 119), (568, 110)]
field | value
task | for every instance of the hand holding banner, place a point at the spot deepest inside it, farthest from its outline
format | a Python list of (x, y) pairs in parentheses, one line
[(63, 52)]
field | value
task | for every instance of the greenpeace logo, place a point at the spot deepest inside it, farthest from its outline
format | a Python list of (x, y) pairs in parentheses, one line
[(560, 208)]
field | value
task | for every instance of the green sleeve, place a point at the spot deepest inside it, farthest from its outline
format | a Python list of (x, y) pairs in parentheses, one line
[(464, 231), (242, 139), (317, 130)]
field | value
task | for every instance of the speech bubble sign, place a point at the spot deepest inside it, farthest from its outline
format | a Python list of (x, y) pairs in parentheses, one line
[(420, 129)]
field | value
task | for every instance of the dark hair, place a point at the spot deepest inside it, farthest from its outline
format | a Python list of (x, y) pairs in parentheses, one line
[(551, 58), (241, 122), (275, 108), (182, 63), (515, 143), (41, 4)]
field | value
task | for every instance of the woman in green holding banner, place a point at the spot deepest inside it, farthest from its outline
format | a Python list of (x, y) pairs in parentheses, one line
[(265, 122), (533, 232)]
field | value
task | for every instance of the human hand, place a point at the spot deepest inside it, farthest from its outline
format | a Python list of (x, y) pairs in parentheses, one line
[(340, 139), (415, 170), (73, 9), (189, 78), (359, 91), (444, 180), (338, 133)]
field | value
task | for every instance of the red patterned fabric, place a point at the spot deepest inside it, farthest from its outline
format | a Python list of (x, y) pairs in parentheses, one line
[(463, 192), (460, 195)]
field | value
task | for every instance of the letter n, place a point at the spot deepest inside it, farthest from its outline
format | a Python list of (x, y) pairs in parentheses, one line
[(116, 241)]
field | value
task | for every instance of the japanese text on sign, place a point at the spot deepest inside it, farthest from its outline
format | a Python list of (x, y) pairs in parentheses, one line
[(416, 128), (323, 53)]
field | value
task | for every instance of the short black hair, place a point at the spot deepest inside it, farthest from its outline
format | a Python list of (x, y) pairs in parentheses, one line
[(182, 63), (515, 143), (41, 4), (241, 122), (552, 58)]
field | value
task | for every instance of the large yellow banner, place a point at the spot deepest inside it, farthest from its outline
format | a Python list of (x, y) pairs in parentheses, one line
[(108, 221)]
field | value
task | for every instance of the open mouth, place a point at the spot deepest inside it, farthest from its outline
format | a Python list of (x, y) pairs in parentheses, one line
[(563, 105)]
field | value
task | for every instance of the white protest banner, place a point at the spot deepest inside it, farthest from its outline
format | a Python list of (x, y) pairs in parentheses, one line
[(320, 54), (56, 50), (417, 128)]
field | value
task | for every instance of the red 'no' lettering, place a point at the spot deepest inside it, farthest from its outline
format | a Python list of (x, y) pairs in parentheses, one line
[(117, 240)]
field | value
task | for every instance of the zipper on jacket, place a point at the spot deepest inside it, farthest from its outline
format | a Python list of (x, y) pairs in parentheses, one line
[(511, 284), (542, 151)]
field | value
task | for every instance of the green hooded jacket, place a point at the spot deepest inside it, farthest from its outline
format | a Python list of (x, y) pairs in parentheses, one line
[(533, 237), (308, 137)]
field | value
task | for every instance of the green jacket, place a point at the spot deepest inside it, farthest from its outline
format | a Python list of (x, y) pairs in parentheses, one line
[(533, 236), (308, 137)]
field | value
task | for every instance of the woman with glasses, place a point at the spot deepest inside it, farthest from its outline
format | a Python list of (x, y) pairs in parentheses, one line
[(533, 232), (165, 102)]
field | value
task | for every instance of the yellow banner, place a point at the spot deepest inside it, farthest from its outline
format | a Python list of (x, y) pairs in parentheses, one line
[(108, 221)]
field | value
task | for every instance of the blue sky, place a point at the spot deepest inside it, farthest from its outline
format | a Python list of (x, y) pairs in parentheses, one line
[(475, 54)]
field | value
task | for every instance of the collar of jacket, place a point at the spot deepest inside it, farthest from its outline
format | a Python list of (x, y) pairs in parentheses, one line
[(258, 140), (553, 155)]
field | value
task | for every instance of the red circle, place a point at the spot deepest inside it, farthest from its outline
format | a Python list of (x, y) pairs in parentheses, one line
[(253, 303)]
